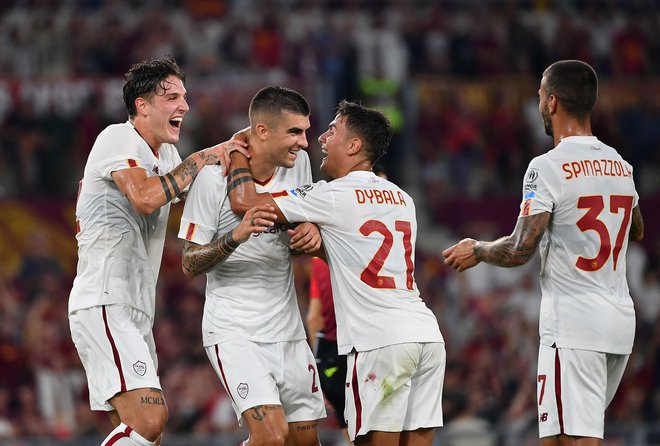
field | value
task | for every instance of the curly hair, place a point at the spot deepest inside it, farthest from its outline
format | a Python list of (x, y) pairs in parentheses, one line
[(144, 78)]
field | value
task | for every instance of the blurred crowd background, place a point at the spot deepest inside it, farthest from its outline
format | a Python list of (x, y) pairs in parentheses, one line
[(459, 81)]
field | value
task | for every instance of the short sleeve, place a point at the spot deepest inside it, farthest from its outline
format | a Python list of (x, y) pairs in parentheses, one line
[(541, 188), (199, 221), (312, 202), (116, 148)]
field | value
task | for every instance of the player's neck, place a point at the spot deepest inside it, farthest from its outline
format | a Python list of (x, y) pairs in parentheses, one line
[(151, 141), (571, 127), (261, 168), (362, 165)]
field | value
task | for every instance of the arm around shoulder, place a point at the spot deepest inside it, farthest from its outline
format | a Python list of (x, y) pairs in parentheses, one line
[(242, 191)]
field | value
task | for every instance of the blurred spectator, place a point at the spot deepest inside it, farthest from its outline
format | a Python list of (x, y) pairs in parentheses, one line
[(465, 427)]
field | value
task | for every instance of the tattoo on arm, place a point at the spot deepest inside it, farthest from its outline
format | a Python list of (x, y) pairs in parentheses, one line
[(637, 226), (204, 156), (238, 181), (235, 172), (517, 248), (199, 259), (187, 170), (259, 412), (166, 188), (175, 186)]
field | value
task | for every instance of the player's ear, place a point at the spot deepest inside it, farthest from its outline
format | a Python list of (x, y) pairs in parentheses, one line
[(552, 103), (355, 146), (261, 131), (141, 105)]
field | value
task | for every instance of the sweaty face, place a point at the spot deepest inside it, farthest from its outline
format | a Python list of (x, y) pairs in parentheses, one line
[(286, 138), (544, 109), (164, 112), (333, 146)]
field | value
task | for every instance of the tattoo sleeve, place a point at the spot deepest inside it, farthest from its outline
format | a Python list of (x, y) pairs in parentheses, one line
[(187, 170), (637, 226), (200, 259), (517, 248)]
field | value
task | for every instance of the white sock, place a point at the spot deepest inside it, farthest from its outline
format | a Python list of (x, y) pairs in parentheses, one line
[(123, 435)]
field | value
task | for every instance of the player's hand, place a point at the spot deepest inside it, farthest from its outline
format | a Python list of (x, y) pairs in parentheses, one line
[(305, 237), (461, 255), (243, 135), (220, 153), (256, 220)]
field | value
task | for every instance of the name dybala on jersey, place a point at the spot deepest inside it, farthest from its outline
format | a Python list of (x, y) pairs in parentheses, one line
[(589, 190), (369, 229), (119, 249), (251, 294)]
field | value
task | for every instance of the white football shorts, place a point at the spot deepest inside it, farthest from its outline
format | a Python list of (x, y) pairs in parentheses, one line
[(279, 373), (574, 387), (117, 349), (395, 388)]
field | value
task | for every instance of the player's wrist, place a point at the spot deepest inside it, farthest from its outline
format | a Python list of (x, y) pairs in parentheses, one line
[(478, 250)]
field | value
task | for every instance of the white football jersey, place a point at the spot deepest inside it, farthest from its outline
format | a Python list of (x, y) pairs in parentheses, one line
[(589, 190), (251, 294), (119, 249), (369, 230)]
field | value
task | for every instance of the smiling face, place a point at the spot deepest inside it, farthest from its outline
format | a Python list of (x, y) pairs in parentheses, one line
[(286, 137), (160, 116), (334, 142)]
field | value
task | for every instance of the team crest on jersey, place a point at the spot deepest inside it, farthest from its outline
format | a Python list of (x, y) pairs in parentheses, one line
[(243, 389), (301, 191), (140, 368)]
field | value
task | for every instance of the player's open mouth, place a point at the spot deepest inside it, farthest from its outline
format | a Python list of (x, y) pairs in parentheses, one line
[(176, 123)]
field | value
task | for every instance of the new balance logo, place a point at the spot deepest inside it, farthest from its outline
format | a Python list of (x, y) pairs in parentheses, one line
[(543, 417)]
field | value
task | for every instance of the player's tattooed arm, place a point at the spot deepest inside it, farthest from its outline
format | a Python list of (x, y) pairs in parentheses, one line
[(637, 226), (183, 174), (513, 250), (518, 248), (259, 413), (200, 259), (180, 177)]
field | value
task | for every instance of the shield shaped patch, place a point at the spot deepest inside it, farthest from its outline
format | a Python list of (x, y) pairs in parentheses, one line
[(243, 390), (140, 368)]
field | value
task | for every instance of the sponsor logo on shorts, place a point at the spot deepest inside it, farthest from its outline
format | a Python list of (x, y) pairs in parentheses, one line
[(543, 417), (140, 368), (243, 390)]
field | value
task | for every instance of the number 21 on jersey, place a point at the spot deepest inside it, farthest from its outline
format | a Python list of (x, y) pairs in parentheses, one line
[(370, 273)]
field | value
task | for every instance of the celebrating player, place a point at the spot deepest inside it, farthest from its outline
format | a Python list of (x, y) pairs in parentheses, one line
[(580, 204), (132, 174), (252, 329), (396, 355)]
